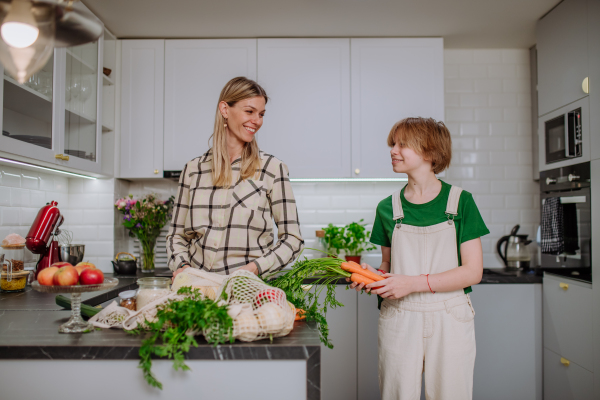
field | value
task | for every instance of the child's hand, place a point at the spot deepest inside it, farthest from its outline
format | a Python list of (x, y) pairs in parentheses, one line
[(393, 287), (359, 287)]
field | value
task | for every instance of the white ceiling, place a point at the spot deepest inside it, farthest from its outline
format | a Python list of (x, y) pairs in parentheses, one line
[(462, 23)]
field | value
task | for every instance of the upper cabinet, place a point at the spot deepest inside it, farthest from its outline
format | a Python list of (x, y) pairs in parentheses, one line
[(562, 55), (594, 73), (142, 105), (307, 122), (391, 79), (195, 73), (331, 102)]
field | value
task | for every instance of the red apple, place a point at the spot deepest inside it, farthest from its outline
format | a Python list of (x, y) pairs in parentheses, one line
[(83, 265), (46, 276), (66, 276), (91, 276), (60, 264)]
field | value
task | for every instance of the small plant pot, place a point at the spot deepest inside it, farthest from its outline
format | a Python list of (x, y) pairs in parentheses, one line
[(355, 259)]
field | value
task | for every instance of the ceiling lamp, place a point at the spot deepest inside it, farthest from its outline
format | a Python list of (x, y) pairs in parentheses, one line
[(31, 30)]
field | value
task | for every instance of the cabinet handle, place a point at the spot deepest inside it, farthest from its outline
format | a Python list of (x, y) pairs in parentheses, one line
[(550, 181), (585, 85), (61, 157), (565, 362), (563, 286), (156, 171), (357, 171)]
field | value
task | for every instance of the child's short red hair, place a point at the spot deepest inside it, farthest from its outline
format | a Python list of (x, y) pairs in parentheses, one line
[(427, 137)]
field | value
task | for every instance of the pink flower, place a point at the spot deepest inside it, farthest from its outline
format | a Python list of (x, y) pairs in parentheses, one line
[(121, 204)]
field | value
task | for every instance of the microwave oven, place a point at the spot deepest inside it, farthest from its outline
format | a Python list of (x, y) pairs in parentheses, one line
[(564, 136)]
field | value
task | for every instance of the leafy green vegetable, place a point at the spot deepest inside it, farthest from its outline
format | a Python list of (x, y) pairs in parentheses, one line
[(324, 272), (355, 239), (177, 322)]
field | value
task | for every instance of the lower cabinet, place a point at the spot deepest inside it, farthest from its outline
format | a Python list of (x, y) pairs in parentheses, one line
[(565, 380), (508, 331)]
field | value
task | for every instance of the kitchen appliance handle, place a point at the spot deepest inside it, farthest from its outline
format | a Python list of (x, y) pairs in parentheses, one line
[(499, 247), (124, 252), (573, 199)]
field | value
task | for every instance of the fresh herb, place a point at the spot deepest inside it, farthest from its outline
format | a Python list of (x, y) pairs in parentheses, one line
[(324, 272), (355, 239), (334, 238), (177, 322)]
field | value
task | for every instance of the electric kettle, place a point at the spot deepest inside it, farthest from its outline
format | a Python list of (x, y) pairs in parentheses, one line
[(516, 254)]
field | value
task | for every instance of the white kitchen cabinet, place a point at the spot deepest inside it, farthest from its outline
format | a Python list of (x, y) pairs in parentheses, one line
[(195, 73), (142, 106), (307, 123), (508, 331), (339, 365), (368, 350), (55, 117), (568, 319), (565, 380), (391, 79), (562, 51)]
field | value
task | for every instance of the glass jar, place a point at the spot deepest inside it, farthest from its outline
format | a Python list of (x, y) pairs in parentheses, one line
[(152, 288), (16, 255), (128, 300), (11, 281), (320, 243)]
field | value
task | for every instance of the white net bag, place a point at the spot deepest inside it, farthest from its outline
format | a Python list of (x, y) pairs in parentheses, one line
[(208, 283), (258, 310)]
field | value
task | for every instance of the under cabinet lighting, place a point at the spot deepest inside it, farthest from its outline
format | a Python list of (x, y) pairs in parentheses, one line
[(7, 160), (348, 179)]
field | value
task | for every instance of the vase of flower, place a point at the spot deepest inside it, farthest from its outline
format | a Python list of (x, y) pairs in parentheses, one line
[(144, 219)]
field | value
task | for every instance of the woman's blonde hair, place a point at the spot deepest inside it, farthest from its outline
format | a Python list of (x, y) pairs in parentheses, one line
[(427, 137), (235, 90)]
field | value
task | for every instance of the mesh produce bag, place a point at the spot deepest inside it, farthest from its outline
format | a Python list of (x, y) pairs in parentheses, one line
[(258, 310), (208, 283)]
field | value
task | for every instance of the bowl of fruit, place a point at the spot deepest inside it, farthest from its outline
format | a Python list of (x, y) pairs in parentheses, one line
[(62, 277)]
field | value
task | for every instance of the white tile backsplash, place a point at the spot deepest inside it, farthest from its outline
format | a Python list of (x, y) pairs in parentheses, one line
[(487, 97)]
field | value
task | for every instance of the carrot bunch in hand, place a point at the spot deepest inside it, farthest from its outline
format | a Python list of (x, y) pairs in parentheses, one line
[(360, 274)]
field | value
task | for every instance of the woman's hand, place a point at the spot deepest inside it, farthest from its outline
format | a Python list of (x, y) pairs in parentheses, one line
[(359, 287), (394, 286), (251, 267), (178, 271)]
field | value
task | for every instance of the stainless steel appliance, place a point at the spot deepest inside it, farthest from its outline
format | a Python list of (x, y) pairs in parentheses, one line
[(564, 136), (566, 217), (516, 253)]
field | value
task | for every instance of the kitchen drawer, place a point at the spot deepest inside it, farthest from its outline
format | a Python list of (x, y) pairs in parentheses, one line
[(568, 319), (563, 382)]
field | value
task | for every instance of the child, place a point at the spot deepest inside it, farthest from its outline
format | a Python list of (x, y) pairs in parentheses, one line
[(429, 234)]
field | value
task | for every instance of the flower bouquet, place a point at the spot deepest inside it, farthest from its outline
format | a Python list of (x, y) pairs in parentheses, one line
[(144, 219)]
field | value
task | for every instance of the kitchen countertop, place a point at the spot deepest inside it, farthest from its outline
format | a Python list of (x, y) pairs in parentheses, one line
[(29, 324)]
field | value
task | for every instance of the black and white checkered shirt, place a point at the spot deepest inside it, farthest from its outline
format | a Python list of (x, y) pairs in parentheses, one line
[(221, 230)]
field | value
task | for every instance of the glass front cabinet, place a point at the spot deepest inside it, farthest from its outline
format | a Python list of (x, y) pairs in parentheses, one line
[(55, 116)]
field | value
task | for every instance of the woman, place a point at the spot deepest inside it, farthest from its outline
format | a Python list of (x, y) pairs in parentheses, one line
[(228, 197)]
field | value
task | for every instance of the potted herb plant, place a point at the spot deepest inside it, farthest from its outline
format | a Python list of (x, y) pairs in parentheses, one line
[(355, 240), (334, 238)]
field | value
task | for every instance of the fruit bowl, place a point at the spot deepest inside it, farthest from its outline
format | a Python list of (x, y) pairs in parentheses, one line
[(76, 324)]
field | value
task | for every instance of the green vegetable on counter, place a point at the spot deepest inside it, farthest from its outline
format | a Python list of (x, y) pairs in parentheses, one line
[(177, 322), (324, 272)]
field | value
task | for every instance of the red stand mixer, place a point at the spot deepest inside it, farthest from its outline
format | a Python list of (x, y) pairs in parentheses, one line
[(41, 238)]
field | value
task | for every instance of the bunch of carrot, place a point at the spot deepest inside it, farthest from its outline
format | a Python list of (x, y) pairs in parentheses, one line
[(359, 274)]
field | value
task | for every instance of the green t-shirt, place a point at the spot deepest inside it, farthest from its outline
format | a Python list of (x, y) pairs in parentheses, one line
[(469, 224)]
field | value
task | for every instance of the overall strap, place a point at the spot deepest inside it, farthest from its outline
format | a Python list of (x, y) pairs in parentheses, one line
[(397, 206), (452, 206)]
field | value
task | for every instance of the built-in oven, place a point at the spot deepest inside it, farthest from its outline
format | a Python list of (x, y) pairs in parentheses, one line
[(564, 136), (566, 217)]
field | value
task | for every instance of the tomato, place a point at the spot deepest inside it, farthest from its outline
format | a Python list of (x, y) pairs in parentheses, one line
[(269, 295)]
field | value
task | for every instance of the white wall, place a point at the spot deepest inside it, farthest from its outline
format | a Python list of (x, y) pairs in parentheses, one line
[(487, 112)]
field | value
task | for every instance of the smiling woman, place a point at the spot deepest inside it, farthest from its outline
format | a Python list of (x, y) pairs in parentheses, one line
[(228, 197)]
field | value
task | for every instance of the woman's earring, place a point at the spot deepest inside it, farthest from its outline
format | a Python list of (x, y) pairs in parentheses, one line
[(225, 124)]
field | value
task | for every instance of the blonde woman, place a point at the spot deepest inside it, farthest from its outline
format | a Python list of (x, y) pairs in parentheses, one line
[(229, 196)]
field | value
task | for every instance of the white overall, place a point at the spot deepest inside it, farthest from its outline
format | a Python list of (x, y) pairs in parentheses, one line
[(426, 331)]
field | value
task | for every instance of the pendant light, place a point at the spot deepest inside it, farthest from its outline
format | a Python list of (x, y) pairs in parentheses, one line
[(31, 30)]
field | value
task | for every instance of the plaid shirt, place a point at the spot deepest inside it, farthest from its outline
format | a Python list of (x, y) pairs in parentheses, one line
[(221, 230)]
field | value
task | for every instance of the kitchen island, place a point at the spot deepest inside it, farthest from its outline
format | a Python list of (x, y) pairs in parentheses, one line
[(38, 362)]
